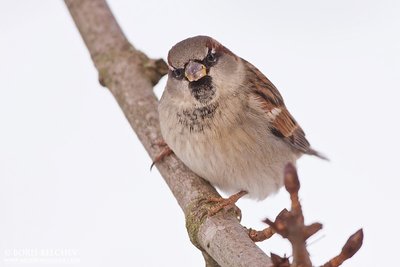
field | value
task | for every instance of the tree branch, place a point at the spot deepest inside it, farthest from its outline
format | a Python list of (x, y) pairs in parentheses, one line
[(130, 75)]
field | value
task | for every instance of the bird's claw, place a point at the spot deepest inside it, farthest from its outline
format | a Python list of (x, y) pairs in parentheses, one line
[(166, 151), (226, 204)]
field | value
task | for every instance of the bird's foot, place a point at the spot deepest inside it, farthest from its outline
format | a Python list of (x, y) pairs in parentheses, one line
[(166, 151), (226, 203)]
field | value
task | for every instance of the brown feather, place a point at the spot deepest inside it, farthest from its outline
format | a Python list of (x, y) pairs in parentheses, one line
[(282, 123)]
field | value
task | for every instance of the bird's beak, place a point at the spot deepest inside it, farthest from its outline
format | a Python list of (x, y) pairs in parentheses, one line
[(195, 71)]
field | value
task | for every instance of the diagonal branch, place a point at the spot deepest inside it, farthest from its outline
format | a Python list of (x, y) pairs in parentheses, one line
[(130, 76)]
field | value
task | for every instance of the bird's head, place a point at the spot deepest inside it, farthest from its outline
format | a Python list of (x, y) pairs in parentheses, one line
[(200, 68)]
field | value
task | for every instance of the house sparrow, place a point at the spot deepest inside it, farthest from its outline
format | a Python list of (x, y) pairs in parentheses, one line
[(226, 121)]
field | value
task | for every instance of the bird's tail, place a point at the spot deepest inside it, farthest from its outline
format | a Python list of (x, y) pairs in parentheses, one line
[(313, 152)]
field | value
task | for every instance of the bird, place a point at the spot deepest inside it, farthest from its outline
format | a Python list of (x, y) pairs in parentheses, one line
[(226, 121)]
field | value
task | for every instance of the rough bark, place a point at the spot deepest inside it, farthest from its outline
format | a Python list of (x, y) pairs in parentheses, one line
[(130, 76)]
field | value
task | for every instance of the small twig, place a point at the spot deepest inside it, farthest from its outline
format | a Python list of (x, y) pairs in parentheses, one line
[(279, 261), (290, 225), (292, 185), (259, 236), (352, 245)]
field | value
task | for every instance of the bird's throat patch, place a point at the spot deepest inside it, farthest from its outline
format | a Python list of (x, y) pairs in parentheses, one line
[(198, 119), (203, 89)]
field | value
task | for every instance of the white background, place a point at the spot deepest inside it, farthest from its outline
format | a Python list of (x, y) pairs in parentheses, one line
[(74, 176)]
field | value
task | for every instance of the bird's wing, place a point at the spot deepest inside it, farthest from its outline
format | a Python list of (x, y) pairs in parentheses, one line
[(282, 123)]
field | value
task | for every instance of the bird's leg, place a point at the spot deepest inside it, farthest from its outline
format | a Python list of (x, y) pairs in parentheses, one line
[(228, 203), (166, 151)]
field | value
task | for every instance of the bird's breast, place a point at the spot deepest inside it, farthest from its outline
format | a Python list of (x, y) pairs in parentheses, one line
[(230, 146)]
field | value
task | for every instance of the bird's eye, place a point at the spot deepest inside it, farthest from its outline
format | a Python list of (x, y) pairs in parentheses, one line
[(211, 58), (178, 73)]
